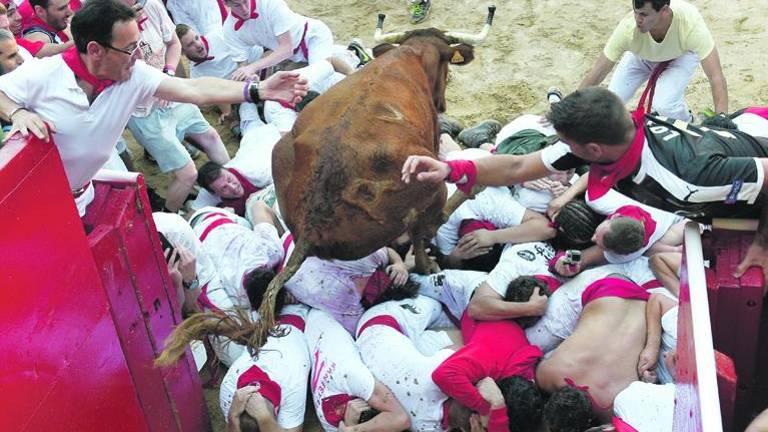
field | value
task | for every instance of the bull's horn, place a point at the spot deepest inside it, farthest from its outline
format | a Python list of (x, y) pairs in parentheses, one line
[(475, 39), (393, 38)]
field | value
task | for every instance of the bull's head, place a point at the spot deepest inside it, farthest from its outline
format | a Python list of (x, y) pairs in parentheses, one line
[(453, 47)]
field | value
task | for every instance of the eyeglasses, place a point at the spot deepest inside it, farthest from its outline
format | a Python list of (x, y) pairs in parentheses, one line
[(139, 5), (129, 51)]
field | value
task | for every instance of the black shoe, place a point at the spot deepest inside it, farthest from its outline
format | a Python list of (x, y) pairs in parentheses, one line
[(483, 132), (357, 47), (449, 125), (148, 158), (554, 95), (156, 202)]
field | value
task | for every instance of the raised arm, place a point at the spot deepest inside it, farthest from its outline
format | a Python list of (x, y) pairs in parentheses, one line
[(717, 83), (599, 71), (286, 86)]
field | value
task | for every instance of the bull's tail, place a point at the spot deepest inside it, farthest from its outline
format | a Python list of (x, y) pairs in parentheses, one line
[(267, 310)]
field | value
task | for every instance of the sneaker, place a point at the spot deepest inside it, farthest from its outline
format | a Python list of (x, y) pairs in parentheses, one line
[(148, 157), (554, 95), (481, 133), (449, 125), (419, 10), (356, 46), (193, 151)]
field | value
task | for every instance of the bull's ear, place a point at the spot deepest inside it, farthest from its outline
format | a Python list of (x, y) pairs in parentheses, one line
[(378, 50), (461, 54)]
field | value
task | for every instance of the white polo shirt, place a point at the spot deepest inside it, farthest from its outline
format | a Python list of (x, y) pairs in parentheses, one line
[(158, 30), (221, 65), (285, 360), (275, 18), (85, 134), (321, 77), (338, 372), (204, 16), (522, 259)]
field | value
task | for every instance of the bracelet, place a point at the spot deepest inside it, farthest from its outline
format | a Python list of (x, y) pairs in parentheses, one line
[(14, 111), (170, 70)]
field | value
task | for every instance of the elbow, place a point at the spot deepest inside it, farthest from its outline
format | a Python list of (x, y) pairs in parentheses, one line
[(475, 310), (401, 420)]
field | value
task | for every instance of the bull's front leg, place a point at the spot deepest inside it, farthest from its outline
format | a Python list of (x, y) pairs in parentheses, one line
[(423, 264)]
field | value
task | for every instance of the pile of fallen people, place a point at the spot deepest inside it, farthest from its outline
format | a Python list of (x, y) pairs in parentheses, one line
[(555, 301)]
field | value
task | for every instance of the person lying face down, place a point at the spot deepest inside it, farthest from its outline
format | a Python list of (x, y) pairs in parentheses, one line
[(598, 360)]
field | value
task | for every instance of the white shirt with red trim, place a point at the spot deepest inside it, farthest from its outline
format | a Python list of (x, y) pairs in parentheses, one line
[(253, 160), (236, 250), (203, 16), (179, 233), (275, 18), (612, 201), (321, 77), (86, 134), (221, 65), (494, 204), (285, 360), (336, 286), (522, 259), (337, 369), (158, 30)]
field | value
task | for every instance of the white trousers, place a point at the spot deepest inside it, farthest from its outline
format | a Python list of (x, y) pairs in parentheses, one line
[(669, 97)]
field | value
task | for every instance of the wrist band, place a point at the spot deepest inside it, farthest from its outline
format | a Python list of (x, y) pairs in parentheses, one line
[(253, 92), (170, 70), (246, 92), (463, 174), (554, 260)]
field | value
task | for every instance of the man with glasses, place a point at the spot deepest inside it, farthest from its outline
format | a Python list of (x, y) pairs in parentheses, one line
[(159, 126), (99, 83)]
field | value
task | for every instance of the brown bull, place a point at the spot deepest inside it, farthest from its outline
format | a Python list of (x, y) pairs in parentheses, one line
[(337, 173)]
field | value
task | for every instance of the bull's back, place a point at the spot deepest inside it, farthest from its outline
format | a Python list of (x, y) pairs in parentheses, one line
[(337, 173)]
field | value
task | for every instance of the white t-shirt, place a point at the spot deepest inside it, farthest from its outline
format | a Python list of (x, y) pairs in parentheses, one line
[(612, 201), (158, 31), (221, 65), (494, 204), (253, 161), (86, 134), (204, 16), (453, 288), (275, 18), (522, 259), (336, 286), (285, 360), (178, 232), (337, 369), (321, 77), (236, 250), (646, 407)]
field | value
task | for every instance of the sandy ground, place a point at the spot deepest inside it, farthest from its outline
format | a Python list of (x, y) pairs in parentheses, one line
[(536, 44)]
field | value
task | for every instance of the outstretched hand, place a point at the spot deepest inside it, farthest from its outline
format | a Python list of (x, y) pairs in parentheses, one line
[(425, 168), (284, 86)]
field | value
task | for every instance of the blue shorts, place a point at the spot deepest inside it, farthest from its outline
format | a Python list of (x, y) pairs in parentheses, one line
[(163, 130)]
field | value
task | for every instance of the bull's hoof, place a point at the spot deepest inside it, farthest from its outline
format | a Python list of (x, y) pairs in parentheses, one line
[(481, 133), (449, 125)]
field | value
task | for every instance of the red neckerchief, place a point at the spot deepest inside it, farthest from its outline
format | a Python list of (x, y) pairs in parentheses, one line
[(468, 226), (602, 177), (761, 111), (207, 51), (377, 283), (238, 204), (288, 105), (140, 22), (75, 62), (268, 389), (239, 21), (223, 10), (334, 407), (639, 215)]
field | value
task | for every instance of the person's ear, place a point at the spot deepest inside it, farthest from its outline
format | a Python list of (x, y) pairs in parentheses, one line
[(93, 49), (594, 150)]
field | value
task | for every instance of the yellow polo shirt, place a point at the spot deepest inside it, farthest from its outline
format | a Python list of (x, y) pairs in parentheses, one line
[(688, 32)]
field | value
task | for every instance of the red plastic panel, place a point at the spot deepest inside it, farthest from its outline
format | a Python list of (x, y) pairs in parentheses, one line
[(63, 365), (726, 388)]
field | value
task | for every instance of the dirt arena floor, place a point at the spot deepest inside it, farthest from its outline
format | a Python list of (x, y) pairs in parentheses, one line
[(534, 44)]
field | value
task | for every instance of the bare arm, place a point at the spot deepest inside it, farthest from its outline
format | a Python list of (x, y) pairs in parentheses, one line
[(535, 227), (665, 267), (505, 170), (717, 83), (283, 51), (575, 190), (650, 353), (487, 305), (173, 51), (599, 71), (285, 86), (51, 49), (391, 418), (23, 120)]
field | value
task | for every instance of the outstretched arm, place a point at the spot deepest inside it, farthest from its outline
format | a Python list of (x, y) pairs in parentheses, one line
[(599, 71), (717, 83)]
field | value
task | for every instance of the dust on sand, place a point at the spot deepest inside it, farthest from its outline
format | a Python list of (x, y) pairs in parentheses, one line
[(534, 44)]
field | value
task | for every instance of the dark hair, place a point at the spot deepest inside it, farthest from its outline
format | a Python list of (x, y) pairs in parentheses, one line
[(256, 282), (182, 29), (625, 236), (393, 292), (576, 223), (524, 403), (485, 262), (520, 290), (311, 95), (247, 422), (568, 410), (42, 3), (96, 20), (655, 4), (592, 115), (207, 174)]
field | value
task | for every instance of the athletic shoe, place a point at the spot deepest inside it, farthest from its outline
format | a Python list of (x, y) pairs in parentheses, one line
[(449, 125), (481, 133), (419, 10), (193, 151), (554, 95), (357, 47)]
